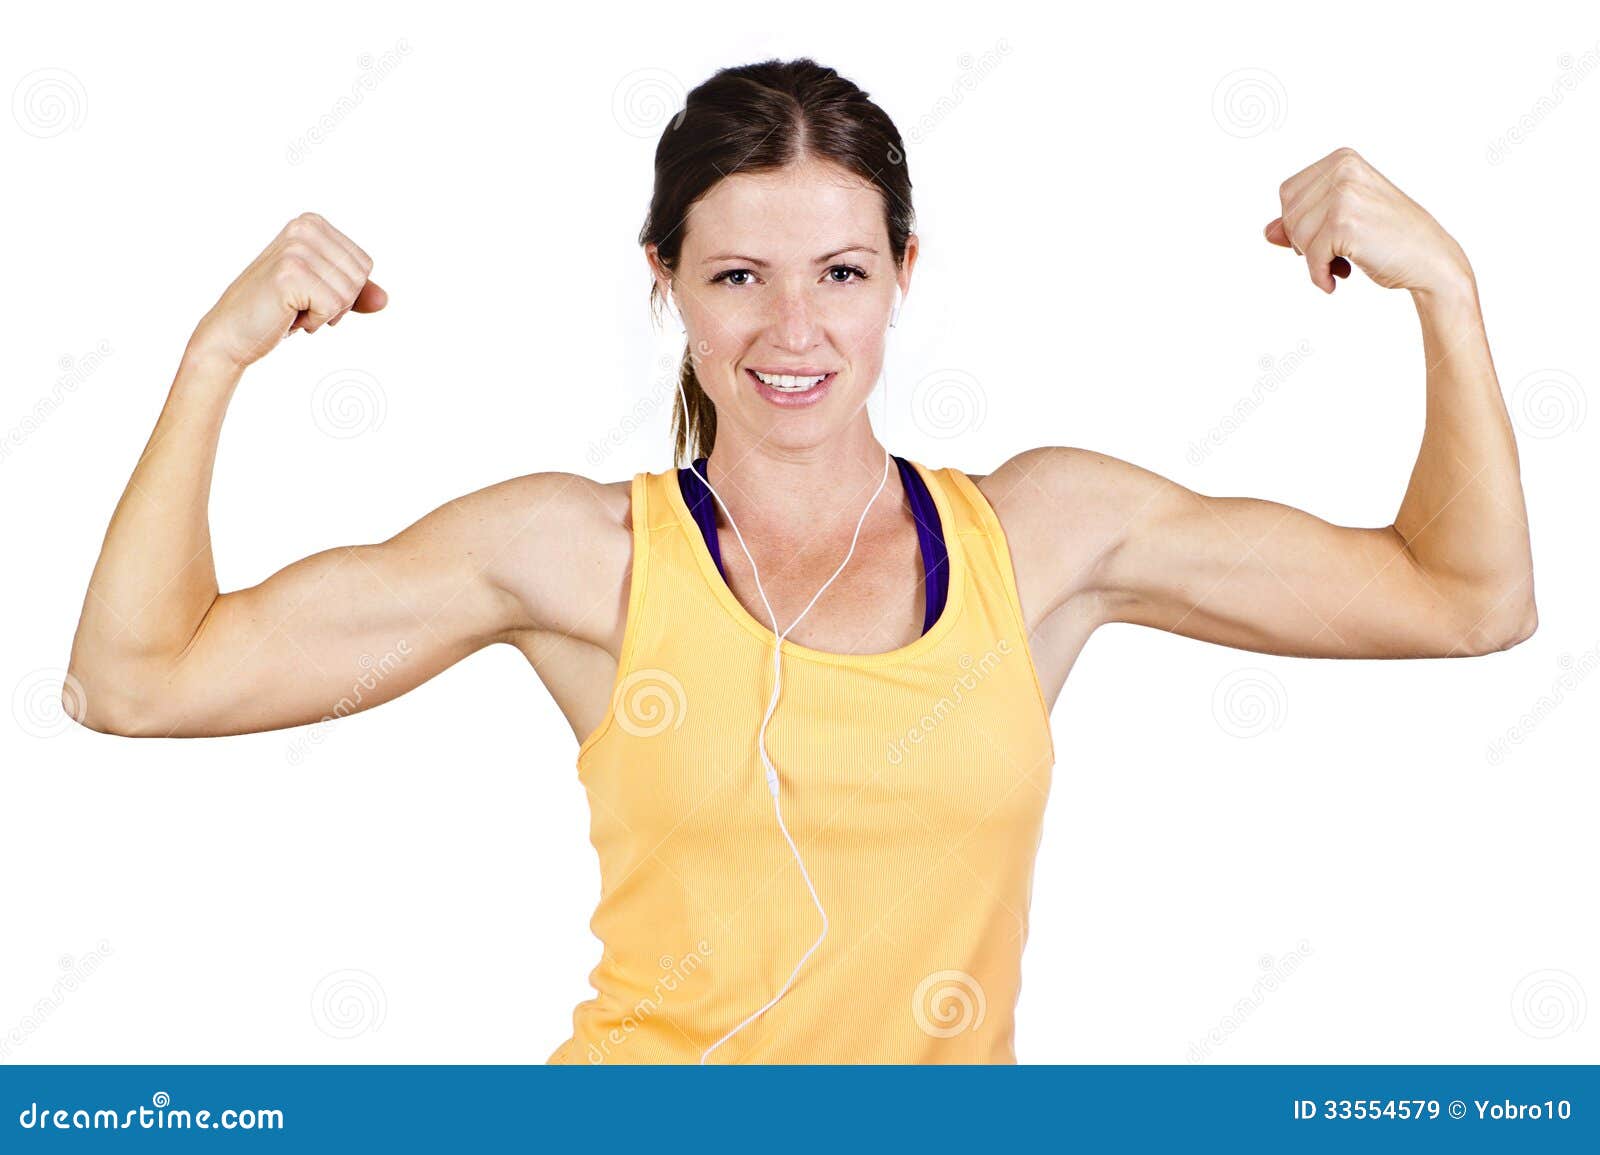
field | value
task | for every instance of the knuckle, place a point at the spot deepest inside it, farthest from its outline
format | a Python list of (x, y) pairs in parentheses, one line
[(1346, 196)]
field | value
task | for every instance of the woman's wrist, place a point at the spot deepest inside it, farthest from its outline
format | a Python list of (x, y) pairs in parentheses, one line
[(1454, 287), (204, 361)]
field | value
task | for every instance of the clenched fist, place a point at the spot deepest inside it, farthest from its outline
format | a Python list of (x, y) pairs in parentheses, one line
[(1341, 211), (310, 275)]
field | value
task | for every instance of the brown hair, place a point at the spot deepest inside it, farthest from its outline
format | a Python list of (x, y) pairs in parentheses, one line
[(755, 118)]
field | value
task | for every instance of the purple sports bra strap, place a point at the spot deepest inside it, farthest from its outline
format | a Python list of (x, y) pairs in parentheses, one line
[(930, 533)]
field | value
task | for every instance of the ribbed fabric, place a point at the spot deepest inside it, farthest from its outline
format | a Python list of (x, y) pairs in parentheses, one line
[(913, 781)]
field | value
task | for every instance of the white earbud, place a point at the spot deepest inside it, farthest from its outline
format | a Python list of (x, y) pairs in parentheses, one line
[(894, 312), (672, 301)]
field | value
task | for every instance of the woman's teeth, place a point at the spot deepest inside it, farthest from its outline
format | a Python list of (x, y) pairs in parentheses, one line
[(787, 383)]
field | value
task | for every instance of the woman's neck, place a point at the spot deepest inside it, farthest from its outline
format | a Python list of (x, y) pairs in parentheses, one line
[(776, 494)]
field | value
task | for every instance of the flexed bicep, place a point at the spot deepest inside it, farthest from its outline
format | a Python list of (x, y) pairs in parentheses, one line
[(347, 629), (1240, 571)]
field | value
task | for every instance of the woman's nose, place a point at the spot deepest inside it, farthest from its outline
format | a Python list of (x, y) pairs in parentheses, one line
[(794, 319)]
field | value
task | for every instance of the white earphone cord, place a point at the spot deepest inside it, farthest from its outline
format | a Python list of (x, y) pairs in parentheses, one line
[(761, 739), (777, 685)]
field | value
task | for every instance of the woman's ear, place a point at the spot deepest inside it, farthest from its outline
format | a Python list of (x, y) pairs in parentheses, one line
[(663, 281), (658, 272), (907, 264)]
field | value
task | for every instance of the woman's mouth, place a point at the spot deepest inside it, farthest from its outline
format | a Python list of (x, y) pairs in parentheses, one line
[(791, 390)]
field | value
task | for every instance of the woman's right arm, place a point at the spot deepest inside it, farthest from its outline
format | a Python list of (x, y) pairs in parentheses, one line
[(159, 651)]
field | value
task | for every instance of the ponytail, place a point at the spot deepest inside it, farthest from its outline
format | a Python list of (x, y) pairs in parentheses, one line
[(693, 432)]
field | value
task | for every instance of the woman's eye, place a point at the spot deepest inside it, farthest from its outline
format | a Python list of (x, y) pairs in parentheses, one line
[(849, 271)]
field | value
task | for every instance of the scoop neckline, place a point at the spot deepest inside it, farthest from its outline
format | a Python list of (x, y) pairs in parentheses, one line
[(954, 551)]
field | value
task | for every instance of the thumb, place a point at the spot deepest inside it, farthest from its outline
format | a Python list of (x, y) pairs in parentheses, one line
[(1274, 233), (370, 299)]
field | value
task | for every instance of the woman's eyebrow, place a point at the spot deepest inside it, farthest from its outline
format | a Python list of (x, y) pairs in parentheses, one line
[(819, 260)]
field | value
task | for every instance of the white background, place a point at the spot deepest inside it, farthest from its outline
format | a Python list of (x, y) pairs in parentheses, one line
[(1090, 194)]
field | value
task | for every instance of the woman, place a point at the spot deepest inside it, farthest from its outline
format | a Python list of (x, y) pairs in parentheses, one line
[(848, 879)]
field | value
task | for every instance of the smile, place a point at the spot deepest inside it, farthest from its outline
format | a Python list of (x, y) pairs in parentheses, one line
[(791, 389)]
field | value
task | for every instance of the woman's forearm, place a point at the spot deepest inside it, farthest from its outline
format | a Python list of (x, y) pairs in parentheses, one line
[(155, 580), (1463, 516)]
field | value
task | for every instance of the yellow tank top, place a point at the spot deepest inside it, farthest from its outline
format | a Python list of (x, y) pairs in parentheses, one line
[(913, 782)]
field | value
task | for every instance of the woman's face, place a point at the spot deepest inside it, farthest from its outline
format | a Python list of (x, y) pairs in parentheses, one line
[(788, 275)]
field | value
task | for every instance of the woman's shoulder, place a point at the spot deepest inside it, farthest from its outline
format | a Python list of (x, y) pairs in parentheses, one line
[(1039, 482), (1061, 508), (557, 541), (550, 502)]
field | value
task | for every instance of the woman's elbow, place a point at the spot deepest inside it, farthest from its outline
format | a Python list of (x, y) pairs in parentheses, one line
[(1524, 628), (96, 706), (1500, 630)]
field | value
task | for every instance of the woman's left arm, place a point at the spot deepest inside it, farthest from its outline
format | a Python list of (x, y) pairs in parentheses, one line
[(1451, 576)]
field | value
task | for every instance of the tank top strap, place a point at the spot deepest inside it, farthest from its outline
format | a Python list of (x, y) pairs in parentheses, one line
[(930, 532), (990, 575)]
